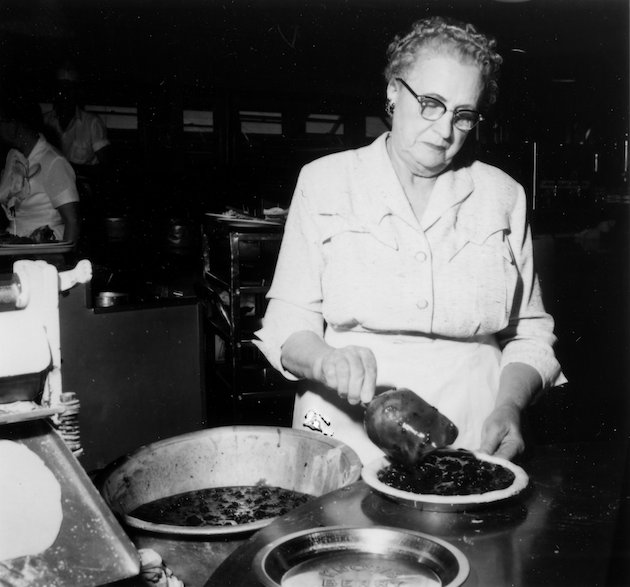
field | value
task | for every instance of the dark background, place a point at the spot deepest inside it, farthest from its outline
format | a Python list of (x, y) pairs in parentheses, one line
[(565, 78), (325, 47)]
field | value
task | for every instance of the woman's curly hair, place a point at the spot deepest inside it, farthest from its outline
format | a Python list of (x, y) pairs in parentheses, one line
[(444, 35)]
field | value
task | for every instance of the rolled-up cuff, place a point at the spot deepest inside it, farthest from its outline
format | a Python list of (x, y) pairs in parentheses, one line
[(545, 363), (282, 319)]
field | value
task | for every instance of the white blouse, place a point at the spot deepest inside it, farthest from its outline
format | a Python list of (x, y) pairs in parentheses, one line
[(49, 188), (355, 257)]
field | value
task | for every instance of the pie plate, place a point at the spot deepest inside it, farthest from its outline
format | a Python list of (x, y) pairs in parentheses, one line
[(448, 503), (376, 555), (195, 531), (242, 222), (50, 245), (13, 249)]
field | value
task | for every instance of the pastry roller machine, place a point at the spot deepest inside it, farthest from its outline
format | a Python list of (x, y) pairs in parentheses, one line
[(35, 412)]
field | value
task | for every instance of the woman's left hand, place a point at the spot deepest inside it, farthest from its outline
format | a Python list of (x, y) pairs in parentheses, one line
[(501, 433)]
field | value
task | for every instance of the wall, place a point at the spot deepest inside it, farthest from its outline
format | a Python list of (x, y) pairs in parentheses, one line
[(564, 81), (137, 374)]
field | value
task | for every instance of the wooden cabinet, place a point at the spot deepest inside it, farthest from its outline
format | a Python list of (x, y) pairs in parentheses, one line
[(239, 262)]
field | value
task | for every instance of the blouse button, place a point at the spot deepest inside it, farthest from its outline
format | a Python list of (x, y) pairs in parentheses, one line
[(422, 304), (421, 256)]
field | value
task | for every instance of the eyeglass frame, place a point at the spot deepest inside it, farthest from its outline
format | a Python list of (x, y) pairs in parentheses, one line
[(421, 98)]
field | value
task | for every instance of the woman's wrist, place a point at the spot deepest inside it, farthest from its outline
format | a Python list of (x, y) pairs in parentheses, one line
[(518, 384), (303, 353)]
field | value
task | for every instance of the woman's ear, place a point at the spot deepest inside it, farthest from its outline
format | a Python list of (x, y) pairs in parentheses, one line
[(392, 91)]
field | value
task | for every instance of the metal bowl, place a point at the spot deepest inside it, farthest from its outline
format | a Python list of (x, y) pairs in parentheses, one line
[(107, 299), (379, 555), (119, 229), (178, 233), (227, 456)]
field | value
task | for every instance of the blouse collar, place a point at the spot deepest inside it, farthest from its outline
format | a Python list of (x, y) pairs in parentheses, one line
[(40, 146), (388, 197)]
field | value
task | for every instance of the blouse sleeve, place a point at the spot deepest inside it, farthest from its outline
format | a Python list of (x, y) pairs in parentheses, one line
[(529, 336), (99, 133), (295, 296), (60, 183)]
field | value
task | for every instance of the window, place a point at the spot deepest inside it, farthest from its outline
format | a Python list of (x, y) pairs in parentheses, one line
[(324, 124), (120, 117), (198, 121), (375, 126), (261, 123), (116, 117)]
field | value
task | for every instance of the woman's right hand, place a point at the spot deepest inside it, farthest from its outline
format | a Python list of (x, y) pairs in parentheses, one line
[(350, 371)]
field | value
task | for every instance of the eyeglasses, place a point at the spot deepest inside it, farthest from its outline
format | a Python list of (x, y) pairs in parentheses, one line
[(433, 109)]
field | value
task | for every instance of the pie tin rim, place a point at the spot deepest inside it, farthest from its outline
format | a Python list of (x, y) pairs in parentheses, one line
[(369, 474), (262, 557)]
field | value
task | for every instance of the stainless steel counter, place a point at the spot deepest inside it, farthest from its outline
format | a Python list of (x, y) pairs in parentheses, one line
[(560, 534), (91, 547)]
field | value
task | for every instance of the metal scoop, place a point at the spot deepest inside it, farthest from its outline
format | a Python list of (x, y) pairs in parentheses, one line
[(405, 427)]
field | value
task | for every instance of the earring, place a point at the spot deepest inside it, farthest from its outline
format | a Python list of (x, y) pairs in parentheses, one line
[(389, 108)]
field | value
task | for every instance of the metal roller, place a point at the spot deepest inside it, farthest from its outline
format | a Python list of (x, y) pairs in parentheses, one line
[(10, 289)]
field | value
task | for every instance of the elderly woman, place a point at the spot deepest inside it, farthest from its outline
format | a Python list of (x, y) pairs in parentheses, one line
[(41, 183), (402, 268)]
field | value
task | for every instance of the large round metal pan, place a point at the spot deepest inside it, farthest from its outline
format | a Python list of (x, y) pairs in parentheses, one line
[(229, 456), (379, 555)]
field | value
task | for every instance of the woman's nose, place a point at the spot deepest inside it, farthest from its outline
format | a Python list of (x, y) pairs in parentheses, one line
[(444, 125)]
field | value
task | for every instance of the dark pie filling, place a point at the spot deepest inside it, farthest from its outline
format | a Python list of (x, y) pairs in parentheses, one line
[(448, 474), (221, 506)]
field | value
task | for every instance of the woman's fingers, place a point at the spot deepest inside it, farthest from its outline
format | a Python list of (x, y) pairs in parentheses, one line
[(368, 387), (501, 434), (329, 370), (351, 371)]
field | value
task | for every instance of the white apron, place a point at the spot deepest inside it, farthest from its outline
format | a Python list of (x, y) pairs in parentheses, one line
[(461, 379)]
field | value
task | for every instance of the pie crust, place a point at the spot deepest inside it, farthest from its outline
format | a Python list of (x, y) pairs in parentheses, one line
[(31, 513), (521, 481)]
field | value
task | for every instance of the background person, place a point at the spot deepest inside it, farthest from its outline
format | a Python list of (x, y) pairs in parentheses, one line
[(82, 138), (404, 267), (82, 135), (47, 194)]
